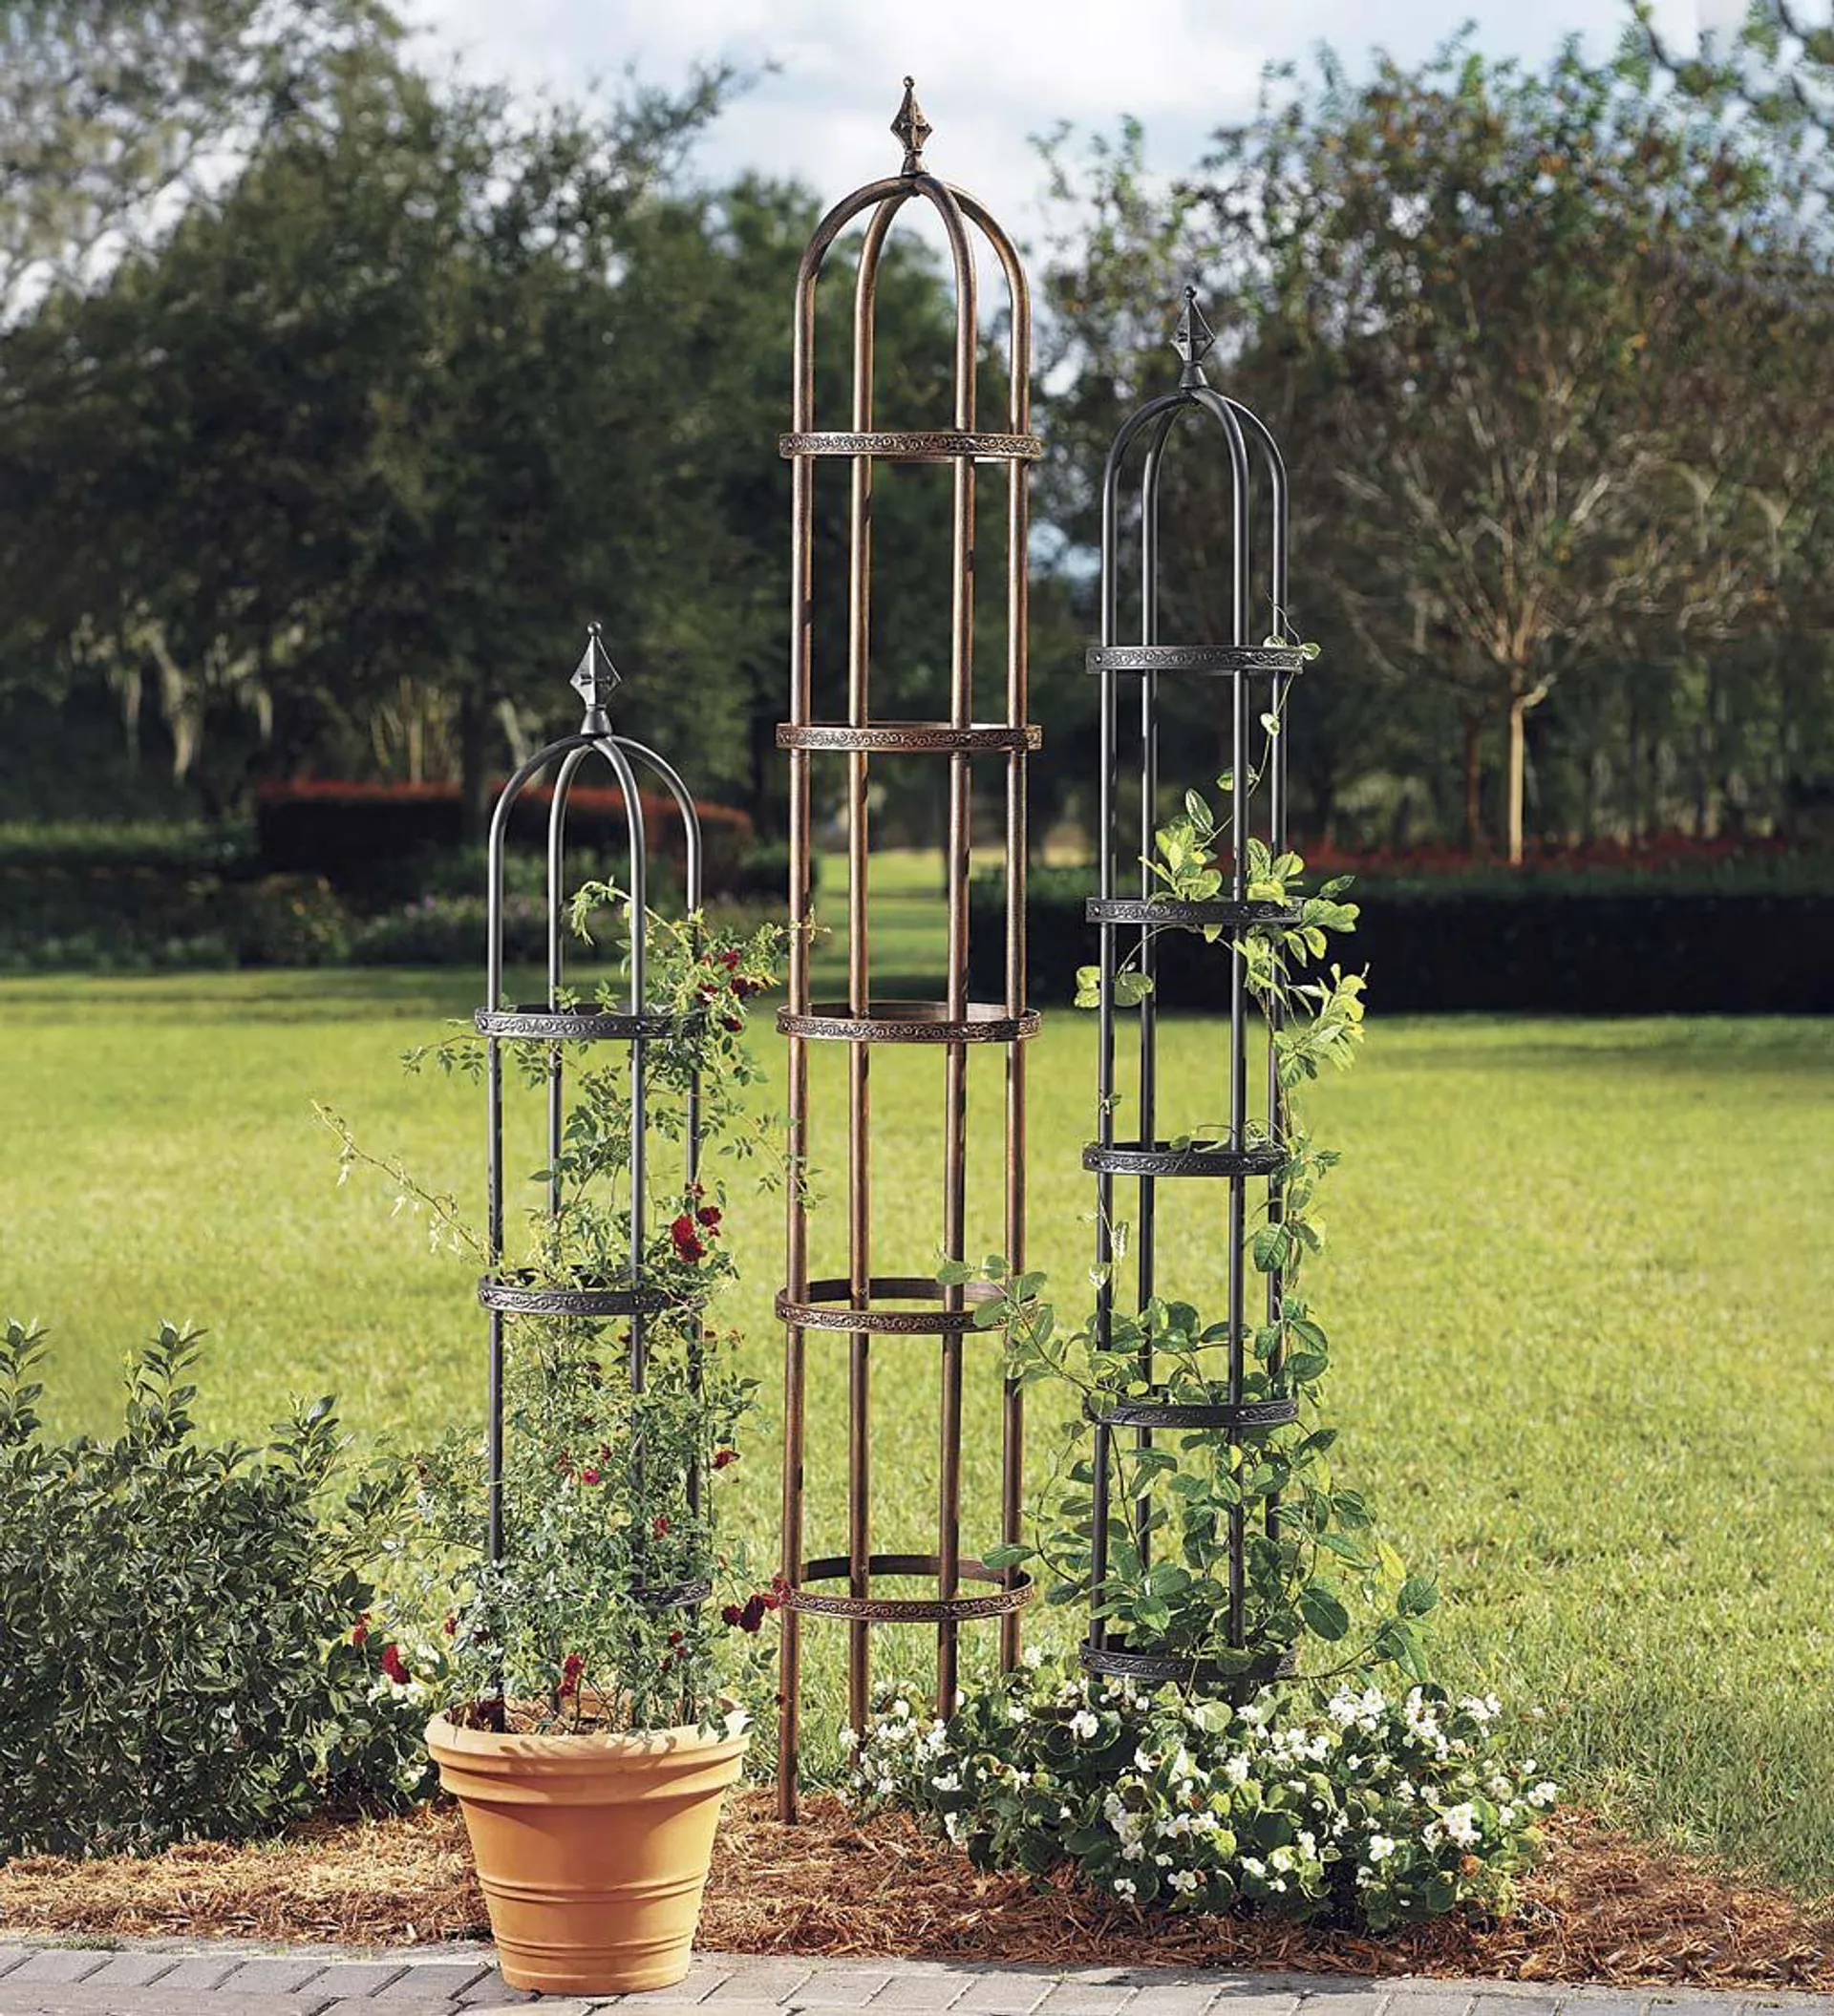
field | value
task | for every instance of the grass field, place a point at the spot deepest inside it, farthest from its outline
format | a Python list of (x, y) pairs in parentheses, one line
[(1579, 1283)]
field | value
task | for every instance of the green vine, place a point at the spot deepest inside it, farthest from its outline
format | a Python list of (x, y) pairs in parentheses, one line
[(1309, 1544)]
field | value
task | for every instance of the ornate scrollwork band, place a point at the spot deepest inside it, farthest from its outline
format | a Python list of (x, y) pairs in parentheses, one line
[(581, 1025), (1217, 660), (910, 736), (828, 1307), (904, 1610), (937, 445), (1180, 1414), (523, 1297), (1117, 1663), (1156, 1159), (909, 1022), (1169, 910)]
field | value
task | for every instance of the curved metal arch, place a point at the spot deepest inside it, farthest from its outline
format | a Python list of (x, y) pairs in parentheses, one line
[(886, 198)]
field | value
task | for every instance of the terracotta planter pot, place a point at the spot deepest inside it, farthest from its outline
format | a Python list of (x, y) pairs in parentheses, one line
[(592, 1850)]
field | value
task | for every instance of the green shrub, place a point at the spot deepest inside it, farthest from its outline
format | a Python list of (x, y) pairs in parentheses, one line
[(181, 1646), (290, 921)]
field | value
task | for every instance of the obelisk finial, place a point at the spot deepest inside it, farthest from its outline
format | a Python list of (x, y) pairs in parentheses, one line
[(1193, 339), (593, 678), (912, 129)]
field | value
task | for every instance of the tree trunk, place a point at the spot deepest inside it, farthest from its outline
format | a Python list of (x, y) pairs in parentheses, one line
[(1518, 750), (1473, 723), (474, 717)]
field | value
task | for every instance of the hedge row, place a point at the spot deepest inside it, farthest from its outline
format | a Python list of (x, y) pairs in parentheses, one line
[(358, 835), (1542, 949)]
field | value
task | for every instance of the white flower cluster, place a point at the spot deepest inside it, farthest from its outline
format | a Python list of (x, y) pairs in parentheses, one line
[(1294, 1805)]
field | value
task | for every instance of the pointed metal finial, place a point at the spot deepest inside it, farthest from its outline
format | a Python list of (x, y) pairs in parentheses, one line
[(912, 129), (1193, 339), (593, 678)]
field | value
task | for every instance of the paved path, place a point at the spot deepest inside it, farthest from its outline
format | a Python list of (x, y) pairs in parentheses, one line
[(225, 1978)]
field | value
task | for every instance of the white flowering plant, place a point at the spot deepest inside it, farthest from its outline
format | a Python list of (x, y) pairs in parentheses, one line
[(1362, 1807)]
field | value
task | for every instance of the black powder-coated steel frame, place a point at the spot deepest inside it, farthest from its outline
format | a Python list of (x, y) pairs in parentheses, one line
[(851, 1305), (506, 1293), (1149, 1159)]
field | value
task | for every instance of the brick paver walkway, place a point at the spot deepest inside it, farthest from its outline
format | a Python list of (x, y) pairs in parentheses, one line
[(166, 1978)]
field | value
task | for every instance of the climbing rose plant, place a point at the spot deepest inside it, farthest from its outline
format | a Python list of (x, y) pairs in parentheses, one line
[(611, 1605)]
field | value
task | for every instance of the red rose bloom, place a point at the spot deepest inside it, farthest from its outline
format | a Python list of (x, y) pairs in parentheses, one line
[(753, 1615), (731, 1614), (360, 1630), (708, 1215), (392, 1666), (589, 1474), (452, 1628), (570, 1670), (659, 1525), (723, 1457), (688, 1245)]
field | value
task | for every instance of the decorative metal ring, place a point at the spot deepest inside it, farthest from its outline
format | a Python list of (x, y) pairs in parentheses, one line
[(942, 445), (1217, 660), (1118, 1663), (677, 1596), (1156, 1159), (901, 1610), (582, 1024), (1169, 910), (1150, 1412), (909, 1022), (521, 1295), (819, 1312), (910, 736)]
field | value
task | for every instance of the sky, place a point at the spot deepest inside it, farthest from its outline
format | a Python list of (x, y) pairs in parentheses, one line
[(991, 74)]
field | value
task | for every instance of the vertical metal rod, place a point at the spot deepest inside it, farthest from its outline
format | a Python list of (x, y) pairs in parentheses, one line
[(1017, 701), (693, 896), (494, 1533), (797, 1143), (1017, 704), (1104, 1046), (1277, 548), (1146, 1242), (961, 686), (948, 1536), (1240, 751), (859, 968)]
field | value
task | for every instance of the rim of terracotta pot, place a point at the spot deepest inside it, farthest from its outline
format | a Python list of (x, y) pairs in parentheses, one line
[(684, 1740)]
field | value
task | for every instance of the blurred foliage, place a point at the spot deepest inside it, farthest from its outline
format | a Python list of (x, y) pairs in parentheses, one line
[(336, 396)]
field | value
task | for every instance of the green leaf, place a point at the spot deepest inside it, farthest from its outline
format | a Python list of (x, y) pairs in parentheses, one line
[(1324, 1613), (1419, 1593)]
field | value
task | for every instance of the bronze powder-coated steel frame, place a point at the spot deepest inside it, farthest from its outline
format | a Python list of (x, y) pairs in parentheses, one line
[(849, 1306), (1238, 1160), (507, 1293)]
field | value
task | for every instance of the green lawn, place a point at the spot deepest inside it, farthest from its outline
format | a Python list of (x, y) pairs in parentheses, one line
[(1579, 1281)]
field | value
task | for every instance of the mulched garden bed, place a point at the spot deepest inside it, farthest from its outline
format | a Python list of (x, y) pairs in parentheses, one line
[(1602, 1908)]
